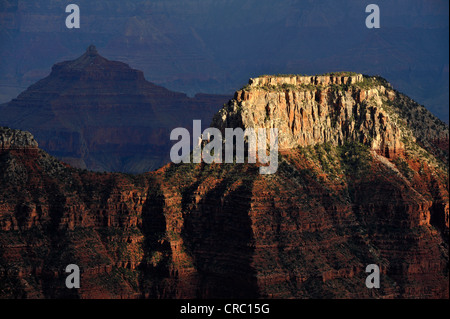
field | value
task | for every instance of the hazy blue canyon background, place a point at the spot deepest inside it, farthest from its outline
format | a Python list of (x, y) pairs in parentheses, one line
[(214, 46)]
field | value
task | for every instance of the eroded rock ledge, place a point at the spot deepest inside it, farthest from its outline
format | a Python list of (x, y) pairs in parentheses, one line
[(308, 110), (342, 78), (15, 139)]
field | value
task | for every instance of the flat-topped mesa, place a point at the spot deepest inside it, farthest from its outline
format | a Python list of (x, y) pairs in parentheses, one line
[(16, 140), (333, 78), (335, 108)]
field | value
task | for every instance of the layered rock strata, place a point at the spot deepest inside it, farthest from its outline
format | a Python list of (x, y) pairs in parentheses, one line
[(337, 203)]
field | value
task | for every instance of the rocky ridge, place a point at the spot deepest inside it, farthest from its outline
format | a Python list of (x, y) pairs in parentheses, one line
[(334, 108), (336, 204)]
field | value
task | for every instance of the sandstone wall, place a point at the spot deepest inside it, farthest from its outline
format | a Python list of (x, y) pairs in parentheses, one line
[(322, 113)]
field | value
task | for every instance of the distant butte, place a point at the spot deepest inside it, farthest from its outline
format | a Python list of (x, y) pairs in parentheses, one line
[(103, 115)]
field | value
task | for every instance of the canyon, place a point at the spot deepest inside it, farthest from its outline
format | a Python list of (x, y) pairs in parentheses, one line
[(362, 179)]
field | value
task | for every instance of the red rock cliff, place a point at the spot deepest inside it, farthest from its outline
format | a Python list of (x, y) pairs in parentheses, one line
[(337, 203)]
